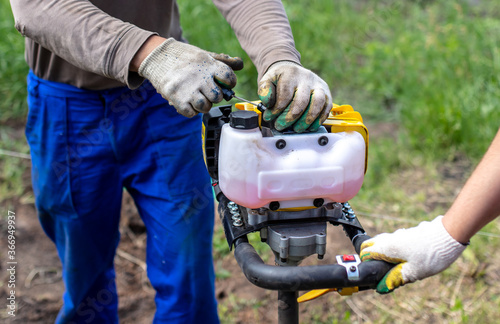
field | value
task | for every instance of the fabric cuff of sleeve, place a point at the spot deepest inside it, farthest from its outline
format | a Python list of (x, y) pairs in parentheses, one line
[(122, 54), (450, 246), (275, 55), (283, 63)]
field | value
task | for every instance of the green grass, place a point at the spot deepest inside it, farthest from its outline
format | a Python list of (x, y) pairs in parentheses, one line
[(13, 68), (15, 182), (441, 70)]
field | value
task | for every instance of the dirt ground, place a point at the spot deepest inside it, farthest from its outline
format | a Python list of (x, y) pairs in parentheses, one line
[(39, 286)]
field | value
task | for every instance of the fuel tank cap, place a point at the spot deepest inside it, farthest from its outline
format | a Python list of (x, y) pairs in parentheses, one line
[(242, 119)]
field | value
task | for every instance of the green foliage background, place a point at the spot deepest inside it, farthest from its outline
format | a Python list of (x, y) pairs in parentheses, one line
[(432, 67), (13, 68)]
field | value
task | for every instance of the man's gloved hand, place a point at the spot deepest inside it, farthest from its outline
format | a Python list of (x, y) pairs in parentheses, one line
[(420, 252), (294, 96), (186, 75)]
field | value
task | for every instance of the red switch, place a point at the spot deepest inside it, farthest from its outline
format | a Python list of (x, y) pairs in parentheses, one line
[(348, 258)]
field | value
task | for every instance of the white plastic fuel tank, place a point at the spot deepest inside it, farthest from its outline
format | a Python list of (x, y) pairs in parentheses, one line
[(292, 170)]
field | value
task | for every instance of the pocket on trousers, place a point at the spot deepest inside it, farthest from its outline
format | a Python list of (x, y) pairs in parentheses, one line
[(46, 133)]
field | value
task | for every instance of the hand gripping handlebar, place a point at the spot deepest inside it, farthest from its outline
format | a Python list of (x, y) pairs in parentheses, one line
[(307, 277)]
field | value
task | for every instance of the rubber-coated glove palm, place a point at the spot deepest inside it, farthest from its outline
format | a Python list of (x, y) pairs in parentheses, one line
[(186, 75), (294, 96), (419, 252)]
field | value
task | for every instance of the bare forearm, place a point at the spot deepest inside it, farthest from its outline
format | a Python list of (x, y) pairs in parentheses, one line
[(479, 201)]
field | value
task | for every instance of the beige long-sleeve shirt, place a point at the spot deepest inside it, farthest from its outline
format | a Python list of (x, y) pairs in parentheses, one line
[(90, 44)]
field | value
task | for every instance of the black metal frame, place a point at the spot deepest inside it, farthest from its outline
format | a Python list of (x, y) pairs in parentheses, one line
[(333, 216), (305, 277), (289, 280)]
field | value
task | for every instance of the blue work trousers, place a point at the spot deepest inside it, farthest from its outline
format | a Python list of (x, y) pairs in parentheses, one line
[(86, 146)]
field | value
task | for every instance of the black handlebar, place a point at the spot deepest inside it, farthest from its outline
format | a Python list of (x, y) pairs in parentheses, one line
[(296, 278)]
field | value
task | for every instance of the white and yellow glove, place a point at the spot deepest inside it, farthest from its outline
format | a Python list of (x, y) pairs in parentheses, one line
[(294, 96), (419, 252), (186, 75)]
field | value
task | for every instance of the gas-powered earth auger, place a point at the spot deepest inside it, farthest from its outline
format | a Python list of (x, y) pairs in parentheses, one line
[(288, 186)]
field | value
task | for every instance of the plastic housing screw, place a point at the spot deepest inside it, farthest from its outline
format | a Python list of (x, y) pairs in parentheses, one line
[(323, 140), (280, 144)]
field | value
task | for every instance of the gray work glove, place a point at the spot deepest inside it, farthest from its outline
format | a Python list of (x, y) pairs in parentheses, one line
[(186, 75), (294, 96)]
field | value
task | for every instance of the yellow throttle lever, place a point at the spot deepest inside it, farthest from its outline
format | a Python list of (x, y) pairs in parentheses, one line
[(348, 261), (313, 294)]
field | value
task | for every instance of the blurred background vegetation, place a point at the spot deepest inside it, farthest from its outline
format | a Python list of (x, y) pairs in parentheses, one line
[(431, 67), (424, 75)]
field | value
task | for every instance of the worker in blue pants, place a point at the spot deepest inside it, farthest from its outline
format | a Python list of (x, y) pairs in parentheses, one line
[(112, 88), (102, 144)]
